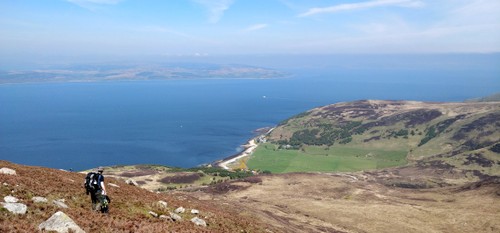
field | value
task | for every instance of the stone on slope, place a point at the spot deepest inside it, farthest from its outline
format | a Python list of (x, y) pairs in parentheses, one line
[(60, 204), (131, 182), (113, 185), (61, 223), (15, 208), (153, 214), (199, 221), (7, 171), (10, 199), (180, 210), (163, 204), (195, 211), (175, 217), (39, 199)]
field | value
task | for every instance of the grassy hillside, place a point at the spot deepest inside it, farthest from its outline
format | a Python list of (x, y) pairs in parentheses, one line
[(128, 209), (367, 135)]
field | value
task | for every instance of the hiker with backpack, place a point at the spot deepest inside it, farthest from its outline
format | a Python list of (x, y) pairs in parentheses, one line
[(94, 185)]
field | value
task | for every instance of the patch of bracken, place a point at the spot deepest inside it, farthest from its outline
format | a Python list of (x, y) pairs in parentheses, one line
[(495, 148), (412, 118), (372, 138), (478, 159), (253, 180), (181, 179), (492, 119), (138, 173), (223, 187), (475, 145)]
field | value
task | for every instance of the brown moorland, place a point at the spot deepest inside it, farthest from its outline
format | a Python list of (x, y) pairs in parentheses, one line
[(128, 210)]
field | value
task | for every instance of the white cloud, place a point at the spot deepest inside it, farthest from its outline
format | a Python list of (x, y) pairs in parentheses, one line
[(93, 4), (362, 5), (256, 27), (216, 8)]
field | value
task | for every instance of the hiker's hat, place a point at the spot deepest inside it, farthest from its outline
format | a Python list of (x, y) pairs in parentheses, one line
[(100, 169)]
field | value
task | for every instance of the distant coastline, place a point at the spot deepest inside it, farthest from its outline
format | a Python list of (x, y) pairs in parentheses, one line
[(139, 73)]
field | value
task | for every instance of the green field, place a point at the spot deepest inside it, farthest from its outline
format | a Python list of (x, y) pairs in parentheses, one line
[(323, 159)]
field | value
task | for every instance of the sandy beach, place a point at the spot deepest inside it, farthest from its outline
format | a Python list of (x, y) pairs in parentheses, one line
[(249, 148)]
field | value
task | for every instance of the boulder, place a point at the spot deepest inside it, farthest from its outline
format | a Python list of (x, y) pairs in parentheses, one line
[(60, 204), (60, 222), (10, 199), (15, 208), (162, 204), (131, 182), (180, 210), (7, 171), (39, 199), (153, 214), (199, 221), (195, 211), (175, 217)]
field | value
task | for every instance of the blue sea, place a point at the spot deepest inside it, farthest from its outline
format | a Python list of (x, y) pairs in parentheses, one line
[(186, 123)]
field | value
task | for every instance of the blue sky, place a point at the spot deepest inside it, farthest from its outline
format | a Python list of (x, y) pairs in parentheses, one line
[(210, 27)]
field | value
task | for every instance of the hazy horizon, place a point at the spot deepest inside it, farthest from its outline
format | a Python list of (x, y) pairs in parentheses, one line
[(76, 31)]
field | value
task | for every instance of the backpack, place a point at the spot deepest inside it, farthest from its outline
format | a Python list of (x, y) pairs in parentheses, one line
[(92, 182)]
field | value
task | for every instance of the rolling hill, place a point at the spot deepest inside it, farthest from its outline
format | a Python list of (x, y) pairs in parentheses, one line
[(373, 134)]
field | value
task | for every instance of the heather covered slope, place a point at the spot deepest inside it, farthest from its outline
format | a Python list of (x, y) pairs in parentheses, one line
[(387, 133), (129, 207)]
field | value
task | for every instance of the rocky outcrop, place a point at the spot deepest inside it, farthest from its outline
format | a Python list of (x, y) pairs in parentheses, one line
[(195, 211), (60, 222), (7, 171)]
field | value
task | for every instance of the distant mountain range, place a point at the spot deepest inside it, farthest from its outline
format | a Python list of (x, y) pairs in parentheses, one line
[(99, 73)]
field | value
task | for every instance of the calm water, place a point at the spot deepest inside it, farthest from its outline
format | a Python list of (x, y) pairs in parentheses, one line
[(190, 122)]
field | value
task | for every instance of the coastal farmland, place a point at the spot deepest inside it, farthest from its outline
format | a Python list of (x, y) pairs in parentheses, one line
[(323, 159)]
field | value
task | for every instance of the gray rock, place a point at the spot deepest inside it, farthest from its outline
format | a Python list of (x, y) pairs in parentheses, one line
[(60, 222), (131, 182), (15, 208), (39, 199), (113, 185), (5, 184), (153, 214), (199, 221), (180, 210), (175, 217), (163, 204), (7, 171), (10, 199), (165, 217), (60, 204), (195, 211)]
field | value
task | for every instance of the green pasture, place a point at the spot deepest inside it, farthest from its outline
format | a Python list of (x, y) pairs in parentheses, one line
[(323, 159)]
